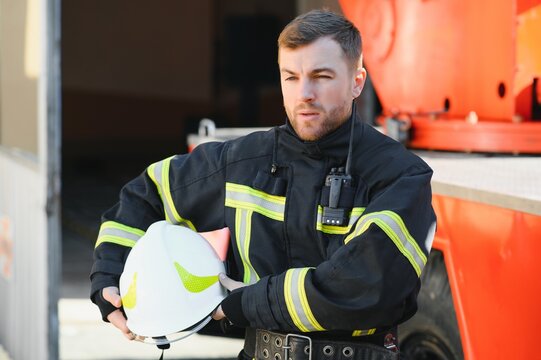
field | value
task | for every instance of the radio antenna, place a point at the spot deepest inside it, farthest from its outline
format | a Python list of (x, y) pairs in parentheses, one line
[(350, 147)]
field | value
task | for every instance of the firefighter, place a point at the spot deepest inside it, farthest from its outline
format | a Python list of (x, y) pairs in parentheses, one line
[(331, 222)]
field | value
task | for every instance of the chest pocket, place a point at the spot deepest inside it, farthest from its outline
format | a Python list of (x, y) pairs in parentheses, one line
[(354, 215), (354, 199)]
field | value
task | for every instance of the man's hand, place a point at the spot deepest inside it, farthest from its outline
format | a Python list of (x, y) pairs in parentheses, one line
[(230, 285), (112, 295)]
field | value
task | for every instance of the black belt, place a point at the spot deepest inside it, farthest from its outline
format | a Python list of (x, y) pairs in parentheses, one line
[(276, 346)]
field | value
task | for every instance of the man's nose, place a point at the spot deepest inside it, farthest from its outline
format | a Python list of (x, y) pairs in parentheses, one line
[(307, 93)]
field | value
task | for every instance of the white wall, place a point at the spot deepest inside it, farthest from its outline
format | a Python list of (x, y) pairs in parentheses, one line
[(23, 287), (27, 313)]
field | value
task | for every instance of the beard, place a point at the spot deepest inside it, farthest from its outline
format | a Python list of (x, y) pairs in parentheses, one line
[(327, 122)]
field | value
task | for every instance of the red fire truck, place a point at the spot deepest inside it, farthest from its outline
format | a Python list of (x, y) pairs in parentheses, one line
[(463, 76)]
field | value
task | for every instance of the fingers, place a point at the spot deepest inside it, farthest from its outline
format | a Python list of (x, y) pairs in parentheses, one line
[(229, 283), (112, 294), (119, 321), (218, 314)]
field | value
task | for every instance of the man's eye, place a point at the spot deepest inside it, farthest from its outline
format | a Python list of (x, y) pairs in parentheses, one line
[(321, 76), (290, 78)]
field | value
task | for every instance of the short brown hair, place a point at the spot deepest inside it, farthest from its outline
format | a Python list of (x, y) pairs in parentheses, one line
[(309, 27)]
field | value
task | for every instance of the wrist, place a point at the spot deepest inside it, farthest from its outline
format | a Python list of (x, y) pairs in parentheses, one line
[(105, 306), (232, 308)]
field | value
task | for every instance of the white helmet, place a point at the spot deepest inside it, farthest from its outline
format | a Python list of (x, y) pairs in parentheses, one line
[(170, 283)]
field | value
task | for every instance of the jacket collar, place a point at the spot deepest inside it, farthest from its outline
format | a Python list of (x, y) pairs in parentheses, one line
[(333, 145)]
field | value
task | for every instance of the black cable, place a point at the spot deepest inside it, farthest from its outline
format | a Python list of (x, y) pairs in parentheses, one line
[(350, 147), (274, 166)]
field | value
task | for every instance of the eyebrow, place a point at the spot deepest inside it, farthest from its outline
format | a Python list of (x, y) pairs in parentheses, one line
[(324, 69), (315, 71), (287, 71)]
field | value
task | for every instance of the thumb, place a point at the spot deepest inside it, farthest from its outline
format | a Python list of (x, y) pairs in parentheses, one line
[(218, 314), (112, 294), (229, 283)]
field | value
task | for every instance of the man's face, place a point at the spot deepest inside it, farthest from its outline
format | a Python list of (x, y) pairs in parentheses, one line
[(318, 86)]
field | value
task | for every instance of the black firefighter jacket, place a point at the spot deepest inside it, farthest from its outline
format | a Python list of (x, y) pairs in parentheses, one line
[(304, 275)]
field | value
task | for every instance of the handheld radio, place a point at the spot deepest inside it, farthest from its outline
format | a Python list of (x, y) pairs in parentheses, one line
[(338, 182)]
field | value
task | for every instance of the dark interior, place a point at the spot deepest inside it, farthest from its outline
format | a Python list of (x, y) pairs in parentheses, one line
[(137, 77)]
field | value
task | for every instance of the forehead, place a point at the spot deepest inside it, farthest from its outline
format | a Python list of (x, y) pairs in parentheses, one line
[(322, 53)]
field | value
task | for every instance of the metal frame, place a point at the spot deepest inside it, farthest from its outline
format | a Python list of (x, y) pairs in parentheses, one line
[(53, 163)]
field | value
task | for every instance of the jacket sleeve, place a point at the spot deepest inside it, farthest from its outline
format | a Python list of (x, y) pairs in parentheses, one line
[(183, 189), (370, 282)]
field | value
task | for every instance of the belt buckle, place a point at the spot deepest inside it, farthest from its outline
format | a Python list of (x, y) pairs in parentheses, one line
[(287, 347)]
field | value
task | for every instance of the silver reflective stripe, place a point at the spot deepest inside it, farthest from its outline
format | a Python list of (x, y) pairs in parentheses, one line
[(297, 302), (117, 233), (393, 226), (256, 203), (244, 197), (243, 229), (108, 231)]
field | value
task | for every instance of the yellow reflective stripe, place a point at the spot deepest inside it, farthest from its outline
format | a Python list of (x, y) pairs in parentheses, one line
[(244, 197), (151, 171), (394, 227), (279, 200), (405, 231), (117, 233), (155, 171), (248, 236), (394, 237), (258, 209), (167, 190), (169, 198), (289, 302), (243, 232), (363, 332), (297, 301), (122, 227), (115, 240), (304, 301), (354, 215), (159, 173)]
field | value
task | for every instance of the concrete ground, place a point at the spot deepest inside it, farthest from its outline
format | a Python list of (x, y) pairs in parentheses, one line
[(83, 336)]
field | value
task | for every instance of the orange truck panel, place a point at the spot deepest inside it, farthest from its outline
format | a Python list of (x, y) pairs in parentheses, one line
[(480, 62), (492, 259), (441, 61)]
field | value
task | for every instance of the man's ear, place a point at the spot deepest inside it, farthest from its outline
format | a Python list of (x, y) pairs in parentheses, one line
[(359, 80)]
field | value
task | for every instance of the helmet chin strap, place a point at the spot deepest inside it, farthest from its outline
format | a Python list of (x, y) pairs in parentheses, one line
[(161, 356), (163, 342)]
